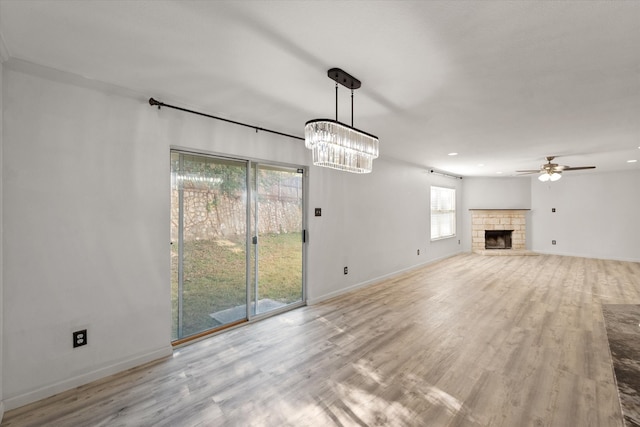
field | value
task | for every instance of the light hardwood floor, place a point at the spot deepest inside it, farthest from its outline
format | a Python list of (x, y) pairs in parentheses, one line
[(469, 341)]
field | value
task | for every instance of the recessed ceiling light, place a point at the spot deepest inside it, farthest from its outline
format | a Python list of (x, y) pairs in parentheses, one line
[(453, 154), (631, 161)]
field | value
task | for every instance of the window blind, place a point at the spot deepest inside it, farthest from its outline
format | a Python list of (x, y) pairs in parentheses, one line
[(443, 212)]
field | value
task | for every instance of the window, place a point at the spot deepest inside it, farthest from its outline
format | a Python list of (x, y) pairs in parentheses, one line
[(443, 212)]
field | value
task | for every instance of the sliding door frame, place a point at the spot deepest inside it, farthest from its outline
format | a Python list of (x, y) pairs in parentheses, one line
[(251, 164)]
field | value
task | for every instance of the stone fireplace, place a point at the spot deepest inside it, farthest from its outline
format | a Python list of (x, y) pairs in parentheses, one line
[(498, 230)]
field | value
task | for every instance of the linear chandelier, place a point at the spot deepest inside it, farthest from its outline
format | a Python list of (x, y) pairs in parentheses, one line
[(339, 146)]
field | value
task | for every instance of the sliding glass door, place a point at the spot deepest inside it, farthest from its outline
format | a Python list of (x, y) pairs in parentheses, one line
[(236, 232), (208, 229), (278, 237)]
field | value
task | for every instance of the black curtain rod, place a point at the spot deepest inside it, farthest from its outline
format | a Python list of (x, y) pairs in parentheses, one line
[(153, 102), (448, 175)]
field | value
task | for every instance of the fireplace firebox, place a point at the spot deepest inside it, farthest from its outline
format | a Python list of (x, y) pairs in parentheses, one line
[(497, 239)]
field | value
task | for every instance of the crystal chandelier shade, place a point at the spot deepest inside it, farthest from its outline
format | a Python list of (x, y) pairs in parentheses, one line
[(338, 146)]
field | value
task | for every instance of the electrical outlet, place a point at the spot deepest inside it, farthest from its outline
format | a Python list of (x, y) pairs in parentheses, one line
[(346, 270), (553, 242), (553, 209), (418, 251), (318, 211), (79, 338)]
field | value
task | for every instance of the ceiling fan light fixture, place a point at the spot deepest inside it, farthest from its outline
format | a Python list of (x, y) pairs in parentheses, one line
[(550, 176), (553, 171), (339, 146)]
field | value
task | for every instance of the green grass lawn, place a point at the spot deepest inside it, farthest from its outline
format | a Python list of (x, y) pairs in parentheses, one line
[(214, 277)]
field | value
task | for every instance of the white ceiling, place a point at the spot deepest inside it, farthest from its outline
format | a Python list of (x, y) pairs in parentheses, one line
[(503, 84)]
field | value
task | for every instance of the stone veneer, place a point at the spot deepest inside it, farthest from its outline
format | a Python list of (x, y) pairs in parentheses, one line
[(498, 219)]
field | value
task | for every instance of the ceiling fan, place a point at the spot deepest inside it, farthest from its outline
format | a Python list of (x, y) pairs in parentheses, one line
[(553, 171)]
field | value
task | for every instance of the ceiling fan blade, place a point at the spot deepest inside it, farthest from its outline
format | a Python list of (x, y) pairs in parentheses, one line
[(578, 168), (530, 171)]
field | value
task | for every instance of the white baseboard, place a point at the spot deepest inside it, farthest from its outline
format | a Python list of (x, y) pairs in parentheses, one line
[(339, 292), (68, 384)]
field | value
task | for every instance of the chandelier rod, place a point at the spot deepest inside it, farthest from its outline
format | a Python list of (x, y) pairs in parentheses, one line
[(336, 101), (153, 102), (351, 107), (346, 80)]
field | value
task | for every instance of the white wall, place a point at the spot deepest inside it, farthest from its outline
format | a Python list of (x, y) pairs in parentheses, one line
[(494, 193), (86, 222), (85, 241), (596, 215), (373, 224)]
